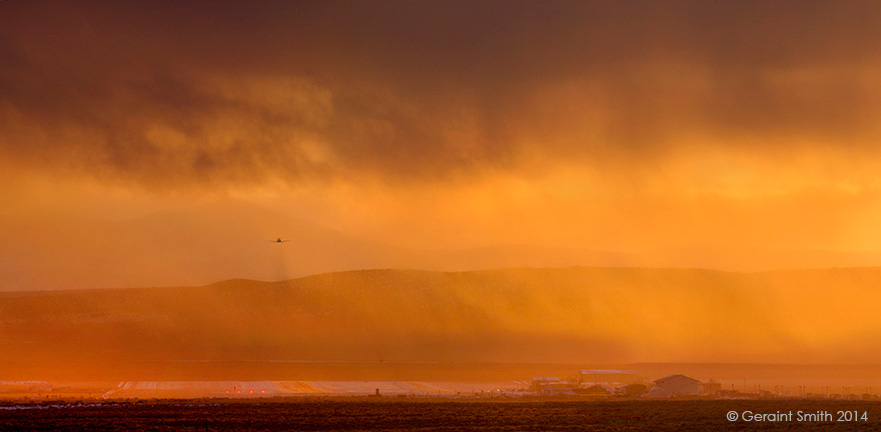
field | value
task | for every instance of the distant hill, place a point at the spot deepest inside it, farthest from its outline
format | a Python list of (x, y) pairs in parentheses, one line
[(562, 315)]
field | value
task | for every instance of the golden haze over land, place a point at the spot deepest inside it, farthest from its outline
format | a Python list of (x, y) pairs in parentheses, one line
[(569, 315), (164, 144)]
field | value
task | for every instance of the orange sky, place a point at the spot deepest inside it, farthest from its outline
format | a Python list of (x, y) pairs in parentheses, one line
[(162, 143)]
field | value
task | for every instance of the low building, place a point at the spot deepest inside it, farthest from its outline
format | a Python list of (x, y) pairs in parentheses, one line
[(711, 388), (658, 393), (607, 376), (595, 390), (679, 385), (538, 383), (631, 390), (559, 389)]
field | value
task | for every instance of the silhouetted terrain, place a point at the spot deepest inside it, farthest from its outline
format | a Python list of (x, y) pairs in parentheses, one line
[(571, 315)]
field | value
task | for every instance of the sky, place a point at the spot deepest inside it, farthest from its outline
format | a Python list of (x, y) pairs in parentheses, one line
[(163, 143)]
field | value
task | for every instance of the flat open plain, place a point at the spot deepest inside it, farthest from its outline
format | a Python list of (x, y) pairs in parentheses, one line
[(390, 414)]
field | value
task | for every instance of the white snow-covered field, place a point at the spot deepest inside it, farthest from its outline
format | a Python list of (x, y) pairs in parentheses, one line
[(191, 389)]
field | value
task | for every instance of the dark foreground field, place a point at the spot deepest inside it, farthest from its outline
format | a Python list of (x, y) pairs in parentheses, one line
[(361, 415)]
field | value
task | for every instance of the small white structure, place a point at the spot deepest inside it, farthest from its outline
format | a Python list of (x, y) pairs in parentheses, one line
[(607, 376), (540, 383), (658, 393), (679, 385)]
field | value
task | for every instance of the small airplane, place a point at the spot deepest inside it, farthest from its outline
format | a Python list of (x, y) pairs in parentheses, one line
[(279, 240)]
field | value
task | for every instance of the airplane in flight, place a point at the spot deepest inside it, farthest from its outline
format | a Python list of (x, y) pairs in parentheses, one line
[(279, 240)]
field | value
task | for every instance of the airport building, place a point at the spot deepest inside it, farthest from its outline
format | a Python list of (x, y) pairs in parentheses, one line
[(607, 376), (679, 385)]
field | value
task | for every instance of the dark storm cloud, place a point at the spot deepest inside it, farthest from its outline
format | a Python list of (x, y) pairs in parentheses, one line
[(188, 92)]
